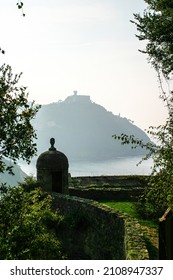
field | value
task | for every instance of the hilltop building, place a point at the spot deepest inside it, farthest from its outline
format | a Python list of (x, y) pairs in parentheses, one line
[(75, 98)]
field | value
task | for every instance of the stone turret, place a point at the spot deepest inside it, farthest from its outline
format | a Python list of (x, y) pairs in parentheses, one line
[(52, 170)]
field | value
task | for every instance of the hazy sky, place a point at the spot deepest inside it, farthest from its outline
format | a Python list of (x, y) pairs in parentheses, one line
[(84, 45)]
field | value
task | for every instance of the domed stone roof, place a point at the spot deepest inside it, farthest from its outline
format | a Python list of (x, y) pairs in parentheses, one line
[(52, 159)]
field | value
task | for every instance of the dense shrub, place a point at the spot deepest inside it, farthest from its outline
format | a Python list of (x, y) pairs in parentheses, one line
[(27, 223)]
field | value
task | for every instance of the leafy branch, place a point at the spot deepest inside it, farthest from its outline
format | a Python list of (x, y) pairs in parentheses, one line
[(17, 135), (20, 7), (2, 51), (135, 143)]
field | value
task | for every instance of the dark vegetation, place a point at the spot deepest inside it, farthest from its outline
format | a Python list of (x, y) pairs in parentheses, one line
[(27, 223), (17, 135)]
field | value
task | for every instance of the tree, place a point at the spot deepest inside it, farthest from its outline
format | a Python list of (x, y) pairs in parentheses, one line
[(27, 223), (155, 27), (17, 134)]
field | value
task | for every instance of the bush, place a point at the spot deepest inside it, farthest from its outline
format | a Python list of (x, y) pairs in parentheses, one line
[(27, 223)]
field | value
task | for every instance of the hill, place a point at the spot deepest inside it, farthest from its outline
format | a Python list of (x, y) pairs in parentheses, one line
[(83, 130), (12, 180)]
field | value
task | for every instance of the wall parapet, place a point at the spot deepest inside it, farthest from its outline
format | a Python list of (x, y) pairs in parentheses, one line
[(96, 231), (117, 188)]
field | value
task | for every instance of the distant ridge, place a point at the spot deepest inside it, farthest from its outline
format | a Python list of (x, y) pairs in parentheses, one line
[(12, 180), (83, 130)]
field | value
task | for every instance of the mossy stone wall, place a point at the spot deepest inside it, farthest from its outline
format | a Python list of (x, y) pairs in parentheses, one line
[(97, 232), (117, 188)]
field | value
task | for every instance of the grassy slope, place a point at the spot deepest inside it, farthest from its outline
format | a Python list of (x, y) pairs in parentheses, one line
[(148, 227)]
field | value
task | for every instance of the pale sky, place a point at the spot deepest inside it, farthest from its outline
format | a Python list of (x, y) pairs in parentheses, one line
[(84, 45)]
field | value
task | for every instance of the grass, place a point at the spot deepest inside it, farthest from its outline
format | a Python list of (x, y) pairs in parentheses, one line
[(130, 209), (127, 207), (148, 227)]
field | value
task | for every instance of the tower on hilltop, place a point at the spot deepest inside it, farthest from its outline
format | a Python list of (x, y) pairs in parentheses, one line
[(77, 98)]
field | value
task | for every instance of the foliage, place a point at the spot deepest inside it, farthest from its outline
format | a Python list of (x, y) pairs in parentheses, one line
[(2, 51), (20, 7), (158, 196), (155, 26), (17, 134), (27, 223)]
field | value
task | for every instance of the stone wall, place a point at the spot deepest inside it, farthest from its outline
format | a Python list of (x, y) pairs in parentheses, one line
[(94, 231), (107, 194), (117, 188), (114, 180)]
